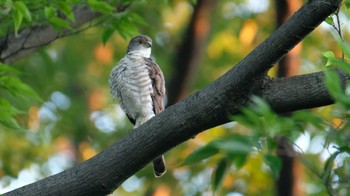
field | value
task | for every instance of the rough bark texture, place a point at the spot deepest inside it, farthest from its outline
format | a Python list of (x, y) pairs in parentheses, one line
[(204, 109)]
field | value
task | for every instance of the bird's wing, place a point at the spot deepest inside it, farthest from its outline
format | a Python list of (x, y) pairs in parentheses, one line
[(116, 81), (158, 85)]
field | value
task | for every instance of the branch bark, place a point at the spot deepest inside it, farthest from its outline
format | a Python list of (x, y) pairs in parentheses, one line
[(204, 109), (13, 47)]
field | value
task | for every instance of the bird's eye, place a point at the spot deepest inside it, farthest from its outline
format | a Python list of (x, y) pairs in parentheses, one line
[(140, 42)]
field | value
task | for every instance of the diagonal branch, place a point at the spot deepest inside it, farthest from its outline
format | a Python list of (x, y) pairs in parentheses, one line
[(13, 47), (204, 109)]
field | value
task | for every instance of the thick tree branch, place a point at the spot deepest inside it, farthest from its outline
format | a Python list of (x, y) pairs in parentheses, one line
[(204, 109), (13, 47)]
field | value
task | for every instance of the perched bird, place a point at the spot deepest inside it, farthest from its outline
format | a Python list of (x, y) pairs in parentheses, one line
[(138, 83)]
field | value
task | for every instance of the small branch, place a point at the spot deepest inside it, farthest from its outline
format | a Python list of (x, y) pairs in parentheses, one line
[(13, 47)]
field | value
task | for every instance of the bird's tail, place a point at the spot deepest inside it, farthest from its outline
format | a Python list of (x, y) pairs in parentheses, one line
[(159, 166)]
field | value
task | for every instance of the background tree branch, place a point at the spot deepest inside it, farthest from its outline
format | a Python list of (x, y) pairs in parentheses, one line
[(103, 173), (14, 46), (186, 61), (289, 178)]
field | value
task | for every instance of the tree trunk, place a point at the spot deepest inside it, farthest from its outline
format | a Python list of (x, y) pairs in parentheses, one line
[(288, 183), (187, 60)]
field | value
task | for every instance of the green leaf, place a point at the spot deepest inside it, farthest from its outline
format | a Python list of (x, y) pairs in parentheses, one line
[(347, 4), (234, 145), (333, 84), (133, 17), (56, 22), (17, 88), (248, 118), (10, 123), (241, 119), (106, 34), (309, 117), (328, 168), (239, 160), (200, 154), (7, 113), (125, 24), (345, 66), (274, 163), (59, 23), (220, 173), (330, 56), (260, 106), (329, 20), (22, 8), (5, 69), (101, 6), (49, 12), (345, 47), (66, 9), (17, 19), (125, 28)]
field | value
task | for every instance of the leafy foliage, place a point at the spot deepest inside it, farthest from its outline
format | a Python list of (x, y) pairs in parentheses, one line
[(76, 120), (266, 126), (60, 14), (10, 87)]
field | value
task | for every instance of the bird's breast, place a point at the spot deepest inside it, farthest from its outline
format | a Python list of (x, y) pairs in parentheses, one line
[(134, 88)]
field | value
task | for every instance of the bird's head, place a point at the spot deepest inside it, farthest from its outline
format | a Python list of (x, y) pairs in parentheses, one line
[(141, 44)]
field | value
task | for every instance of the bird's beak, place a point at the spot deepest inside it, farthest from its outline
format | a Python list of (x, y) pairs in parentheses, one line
[(149, 44)]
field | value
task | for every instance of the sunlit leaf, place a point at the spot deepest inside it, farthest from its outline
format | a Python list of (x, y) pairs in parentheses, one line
[(22, 8), (49, 12), (329, 20), (330, 56), (17, 19)]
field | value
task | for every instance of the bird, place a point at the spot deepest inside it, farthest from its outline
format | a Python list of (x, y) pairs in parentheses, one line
[(138, 83)]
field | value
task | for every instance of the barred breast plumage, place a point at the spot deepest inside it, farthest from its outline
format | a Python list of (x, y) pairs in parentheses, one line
[(131, 83)]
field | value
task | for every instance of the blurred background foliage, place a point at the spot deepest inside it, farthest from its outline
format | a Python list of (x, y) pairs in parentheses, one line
[(56, 110)]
